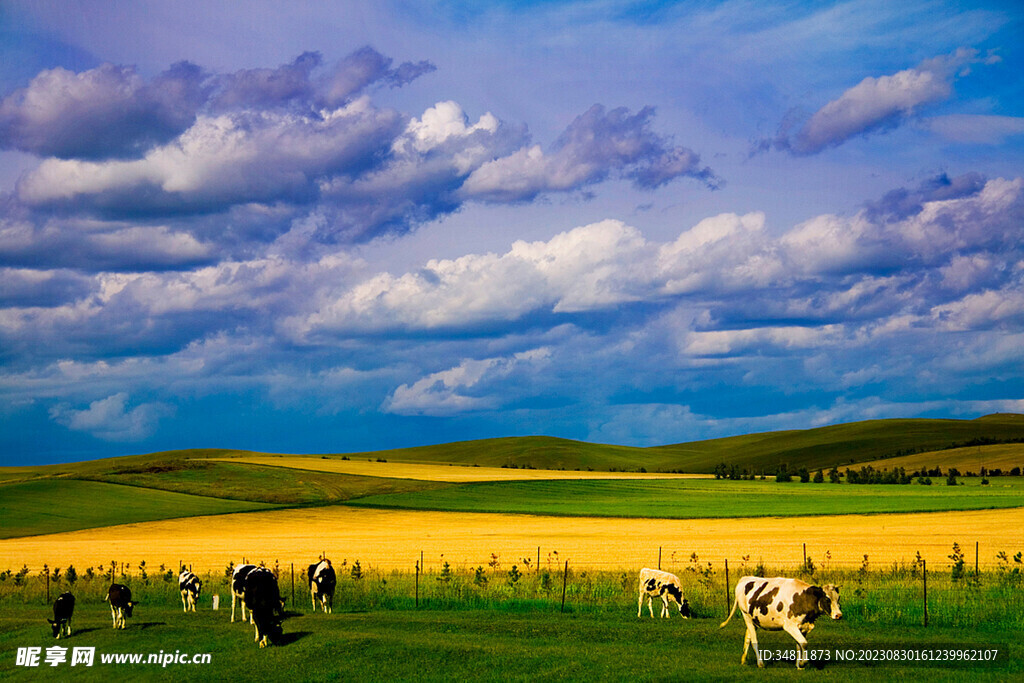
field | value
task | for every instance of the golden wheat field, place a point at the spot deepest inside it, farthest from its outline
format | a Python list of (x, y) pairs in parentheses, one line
[(436, 472), (393, 539)]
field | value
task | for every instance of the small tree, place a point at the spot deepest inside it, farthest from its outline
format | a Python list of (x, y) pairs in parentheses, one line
[(357, 571), (819, 477), (514, 575), (479, 578)]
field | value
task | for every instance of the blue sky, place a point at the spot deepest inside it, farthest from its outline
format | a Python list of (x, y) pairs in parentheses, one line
[(343, 226)]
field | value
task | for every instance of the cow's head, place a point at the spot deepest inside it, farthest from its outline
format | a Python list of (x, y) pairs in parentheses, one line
[(829, 602), (684, 608), (56, 627), (129, 607)]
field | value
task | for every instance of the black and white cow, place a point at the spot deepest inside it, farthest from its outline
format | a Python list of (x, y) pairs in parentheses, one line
[(238, 589), (263, 598), (780, 604), (63, 608), (121, 604), (322, 581), (189, 585), (655, 583)]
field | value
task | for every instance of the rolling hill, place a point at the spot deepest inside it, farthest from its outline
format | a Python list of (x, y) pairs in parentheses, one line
[(822, 447)]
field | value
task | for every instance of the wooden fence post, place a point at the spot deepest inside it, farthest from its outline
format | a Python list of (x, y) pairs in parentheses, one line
[(293, 585), (805, 556), (659, 558), (924, 575), (565, 576), (47, 570), (727, 601), (977, 576), (417, 585), (538, 559)]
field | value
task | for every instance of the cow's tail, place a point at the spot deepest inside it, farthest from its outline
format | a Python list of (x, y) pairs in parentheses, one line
[(735, 604)]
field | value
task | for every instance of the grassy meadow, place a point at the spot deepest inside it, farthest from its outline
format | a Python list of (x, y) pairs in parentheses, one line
[(491, 625), (495, 534), (700, 498), (45, 506)]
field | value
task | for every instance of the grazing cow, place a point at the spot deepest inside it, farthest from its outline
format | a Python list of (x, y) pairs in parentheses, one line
[(238, 589), (322, 581), (63, 608), (189, 585), (262, 597), (656, 583), (121, 604), (779, 604)]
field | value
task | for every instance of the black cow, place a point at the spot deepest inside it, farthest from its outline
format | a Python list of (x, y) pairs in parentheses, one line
[(189, 585), (263, 598), (63, 608), (238, 589), (121, 604), (322, 581)]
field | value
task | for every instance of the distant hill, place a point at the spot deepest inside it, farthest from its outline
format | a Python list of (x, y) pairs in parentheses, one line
[(822, 447)]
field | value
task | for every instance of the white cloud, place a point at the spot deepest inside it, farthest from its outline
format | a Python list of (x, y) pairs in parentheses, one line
[(111, 419), (456, 390), (876, 103)]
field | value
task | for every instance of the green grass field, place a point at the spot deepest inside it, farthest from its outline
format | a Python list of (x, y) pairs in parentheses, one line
[(694, 498), (481, 646), (48, 506), (278, 485)]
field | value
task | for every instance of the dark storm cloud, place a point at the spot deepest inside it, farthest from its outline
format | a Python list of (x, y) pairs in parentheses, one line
[(103, 113)]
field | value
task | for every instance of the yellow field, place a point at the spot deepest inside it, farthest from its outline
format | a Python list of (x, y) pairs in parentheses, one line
[(435, 471), (387, 539), (973, 458)]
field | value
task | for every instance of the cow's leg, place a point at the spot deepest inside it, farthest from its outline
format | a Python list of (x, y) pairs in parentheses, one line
[(752, 637), (113, 615), (312, 597), (746, 646), (233, 598), (664, 607), (639, 604), (801, 657)]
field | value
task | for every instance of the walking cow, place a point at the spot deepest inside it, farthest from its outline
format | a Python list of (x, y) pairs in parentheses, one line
[(322, 581), (780, 604), (189, 585), (121, 604), (238, 589)]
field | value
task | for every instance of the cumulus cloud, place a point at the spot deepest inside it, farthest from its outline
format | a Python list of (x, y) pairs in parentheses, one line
[(281, 145), (111, 418), (458, 389), (597, 144), (109, 111), (877, 103)]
